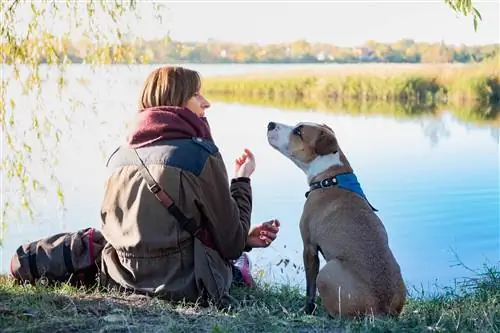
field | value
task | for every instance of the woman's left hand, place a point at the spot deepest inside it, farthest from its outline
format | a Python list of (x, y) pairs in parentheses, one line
[(262, 235)]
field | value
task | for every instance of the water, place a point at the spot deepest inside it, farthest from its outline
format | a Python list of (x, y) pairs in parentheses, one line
[(435, 180)]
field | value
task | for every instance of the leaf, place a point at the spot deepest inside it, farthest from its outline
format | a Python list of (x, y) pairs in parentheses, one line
[(35, 122), (477, 13), (451, 5), (60, 194), (19, 169), (9, 140), (24, 202), (468, 4)]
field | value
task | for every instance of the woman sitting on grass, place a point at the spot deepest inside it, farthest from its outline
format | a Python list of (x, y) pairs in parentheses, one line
[(148, 249)]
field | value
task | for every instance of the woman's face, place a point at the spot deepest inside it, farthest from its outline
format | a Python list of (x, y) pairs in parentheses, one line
[(197, 104)]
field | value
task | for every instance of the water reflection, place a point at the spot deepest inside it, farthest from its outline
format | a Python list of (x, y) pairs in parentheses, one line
[(432, 174), (475, 113)]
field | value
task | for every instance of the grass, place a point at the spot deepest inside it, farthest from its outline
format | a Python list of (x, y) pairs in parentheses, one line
[(473, 305), (425, 85), (488, 115)]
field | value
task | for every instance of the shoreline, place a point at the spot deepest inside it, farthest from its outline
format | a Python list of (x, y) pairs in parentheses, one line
[(473, 84), (471, 306)]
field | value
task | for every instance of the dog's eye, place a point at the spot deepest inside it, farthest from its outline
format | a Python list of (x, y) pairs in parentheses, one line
[(298, 131)]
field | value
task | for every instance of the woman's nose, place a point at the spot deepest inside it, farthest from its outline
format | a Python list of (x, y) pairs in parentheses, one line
[(206, 103)]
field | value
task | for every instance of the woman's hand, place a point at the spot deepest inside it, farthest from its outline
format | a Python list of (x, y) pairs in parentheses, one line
[(244, 165), (262, 235)]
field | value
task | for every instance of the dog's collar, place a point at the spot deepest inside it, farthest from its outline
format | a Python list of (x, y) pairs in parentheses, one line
[(347, 181)]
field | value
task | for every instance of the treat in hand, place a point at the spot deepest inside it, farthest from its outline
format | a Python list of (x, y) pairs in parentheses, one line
[(262, 235)]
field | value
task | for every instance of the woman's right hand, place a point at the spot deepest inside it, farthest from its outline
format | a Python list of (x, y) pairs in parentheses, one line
[(244, 165)]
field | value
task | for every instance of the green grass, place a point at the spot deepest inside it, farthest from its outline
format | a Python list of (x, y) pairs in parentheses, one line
[(478, 114), (428, 85), (473, 305)]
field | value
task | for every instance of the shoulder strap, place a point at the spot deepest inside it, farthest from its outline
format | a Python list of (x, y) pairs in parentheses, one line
[(186, 223)]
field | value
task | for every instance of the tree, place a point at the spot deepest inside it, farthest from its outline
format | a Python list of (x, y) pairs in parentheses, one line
[(30, 35)]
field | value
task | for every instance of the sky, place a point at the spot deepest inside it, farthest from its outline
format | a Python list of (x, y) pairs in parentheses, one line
[(343, 23)]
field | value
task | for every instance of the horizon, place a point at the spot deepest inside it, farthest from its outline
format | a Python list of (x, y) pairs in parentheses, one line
[(213, 40)]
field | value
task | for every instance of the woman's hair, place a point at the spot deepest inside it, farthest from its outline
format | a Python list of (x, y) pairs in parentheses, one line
[(169, 86)]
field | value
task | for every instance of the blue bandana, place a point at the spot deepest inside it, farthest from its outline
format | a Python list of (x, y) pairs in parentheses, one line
[(348, 181)]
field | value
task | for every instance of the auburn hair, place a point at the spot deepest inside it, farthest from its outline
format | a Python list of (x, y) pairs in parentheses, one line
[(169, 86)]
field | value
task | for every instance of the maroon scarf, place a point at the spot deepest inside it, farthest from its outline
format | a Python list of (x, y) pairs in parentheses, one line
[(167, 122)]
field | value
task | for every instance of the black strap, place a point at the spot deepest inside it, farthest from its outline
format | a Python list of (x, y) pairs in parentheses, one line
[(68, 262), (188, 224), (32, 262), (327, 182)]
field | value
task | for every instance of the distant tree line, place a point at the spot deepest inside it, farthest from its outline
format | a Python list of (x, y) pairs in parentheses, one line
[(301, 51)]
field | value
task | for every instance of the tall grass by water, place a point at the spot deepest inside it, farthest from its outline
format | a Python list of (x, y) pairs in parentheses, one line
[(418, 84), (475, 113)]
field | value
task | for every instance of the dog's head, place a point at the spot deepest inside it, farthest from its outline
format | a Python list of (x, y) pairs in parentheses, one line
[(312, 147)]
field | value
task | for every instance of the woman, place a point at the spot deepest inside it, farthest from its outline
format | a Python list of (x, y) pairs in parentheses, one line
[(171, 148)]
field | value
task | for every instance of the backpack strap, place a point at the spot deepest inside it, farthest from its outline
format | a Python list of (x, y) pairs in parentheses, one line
[(68, 262), (31, 259), (188, 224)]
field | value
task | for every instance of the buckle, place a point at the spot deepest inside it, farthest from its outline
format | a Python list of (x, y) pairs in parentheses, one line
[(328, 182), (155, 188)]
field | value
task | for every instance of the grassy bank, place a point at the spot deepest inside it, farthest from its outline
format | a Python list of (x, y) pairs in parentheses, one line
[(473, 306), (426, 85), (488, 115)]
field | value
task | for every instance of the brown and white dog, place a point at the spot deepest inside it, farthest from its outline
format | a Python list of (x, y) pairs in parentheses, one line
[(361, 275)]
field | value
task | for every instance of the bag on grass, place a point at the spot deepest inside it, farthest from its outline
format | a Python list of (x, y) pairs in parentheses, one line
[(65, 257)]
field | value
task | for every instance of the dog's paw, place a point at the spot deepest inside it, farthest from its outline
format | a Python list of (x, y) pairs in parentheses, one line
[(309, 308)]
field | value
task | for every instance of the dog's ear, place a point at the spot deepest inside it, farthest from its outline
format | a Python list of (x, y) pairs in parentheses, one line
[(327, 127), (325, 143)]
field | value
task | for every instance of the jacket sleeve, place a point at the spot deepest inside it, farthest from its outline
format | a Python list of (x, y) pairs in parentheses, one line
[(227, 207)]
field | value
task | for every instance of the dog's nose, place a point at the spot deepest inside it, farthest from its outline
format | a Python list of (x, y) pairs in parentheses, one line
[(271, 126)]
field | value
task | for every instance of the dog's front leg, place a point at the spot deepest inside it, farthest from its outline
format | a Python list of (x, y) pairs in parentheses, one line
[(311, 265)]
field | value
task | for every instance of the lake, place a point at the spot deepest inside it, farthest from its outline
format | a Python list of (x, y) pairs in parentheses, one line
[(434, 179)]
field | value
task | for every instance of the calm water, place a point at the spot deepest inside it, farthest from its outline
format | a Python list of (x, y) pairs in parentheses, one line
[(435, 180)]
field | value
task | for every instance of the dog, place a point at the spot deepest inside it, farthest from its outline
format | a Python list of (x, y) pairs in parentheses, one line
[(361, 275)]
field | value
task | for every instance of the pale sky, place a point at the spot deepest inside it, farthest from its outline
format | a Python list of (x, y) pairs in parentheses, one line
[(344, 23)]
